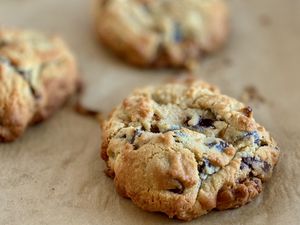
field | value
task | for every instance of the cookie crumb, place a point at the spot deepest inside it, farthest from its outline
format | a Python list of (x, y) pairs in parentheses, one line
[(79, 108), (250, 93)]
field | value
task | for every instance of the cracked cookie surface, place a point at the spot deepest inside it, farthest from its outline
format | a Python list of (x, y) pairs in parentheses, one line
[(37, 74), (184, 149), (162, 33)]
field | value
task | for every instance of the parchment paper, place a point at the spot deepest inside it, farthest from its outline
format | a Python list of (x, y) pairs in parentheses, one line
[(54, 175)]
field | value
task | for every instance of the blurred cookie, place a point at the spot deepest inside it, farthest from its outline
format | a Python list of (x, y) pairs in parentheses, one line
[(37, 74), (162, 33), (184, 149)]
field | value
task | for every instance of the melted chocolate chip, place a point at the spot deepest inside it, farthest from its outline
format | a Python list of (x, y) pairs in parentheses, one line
[(248, 161), (201, 172), (220, 146), (254, 163), (263, 143), (206, 123), (179, 189), (205, 169), (253, 134), (243, 166), (154, 128), (201, 125)]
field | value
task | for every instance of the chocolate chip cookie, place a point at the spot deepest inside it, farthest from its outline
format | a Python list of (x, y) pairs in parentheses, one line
[(162, 33), (37, 74), (185, 149)]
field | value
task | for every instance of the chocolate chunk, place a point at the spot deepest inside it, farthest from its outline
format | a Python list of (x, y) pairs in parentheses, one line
[(201, 172), (154, 128), (247, 162), (212, 144), (222, 145), (266, 167), (206, 123), (254, 163), (202, 123), (137, 133), (263, 143), (205, 169), (247, 111)]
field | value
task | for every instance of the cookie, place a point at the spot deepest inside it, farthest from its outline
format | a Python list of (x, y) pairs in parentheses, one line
[(37, 75), (185, 149), (162, 33)]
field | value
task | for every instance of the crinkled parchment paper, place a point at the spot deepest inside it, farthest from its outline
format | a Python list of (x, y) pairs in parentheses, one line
[(54, 175)]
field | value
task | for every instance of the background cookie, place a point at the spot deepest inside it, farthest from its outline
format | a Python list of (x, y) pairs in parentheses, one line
[(37, 74), (185, 149), (163, 32)]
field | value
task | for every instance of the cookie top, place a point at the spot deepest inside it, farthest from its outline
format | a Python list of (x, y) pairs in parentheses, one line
[(37, 72), (185, 149), (162, 32)]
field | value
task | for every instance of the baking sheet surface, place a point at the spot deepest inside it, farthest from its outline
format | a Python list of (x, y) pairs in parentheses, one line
[(54, 174)]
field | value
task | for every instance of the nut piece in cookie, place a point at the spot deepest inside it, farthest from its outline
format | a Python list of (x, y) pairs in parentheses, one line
[(37, 75), (184, 149), (162, 33)]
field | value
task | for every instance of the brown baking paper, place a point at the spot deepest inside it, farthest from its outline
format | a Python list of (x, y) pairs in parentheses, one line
[(54, 174)]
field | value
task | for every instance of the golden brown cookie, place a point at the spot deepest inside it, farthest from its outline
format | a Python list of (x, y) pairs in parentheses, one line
[(184, 149), (162, 33), (37, 74)]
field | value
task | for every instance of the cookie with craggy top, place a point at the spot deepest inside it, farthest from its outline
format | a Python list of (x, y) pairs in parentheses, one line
[(185, 149), (162, 33), (37, 74)]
